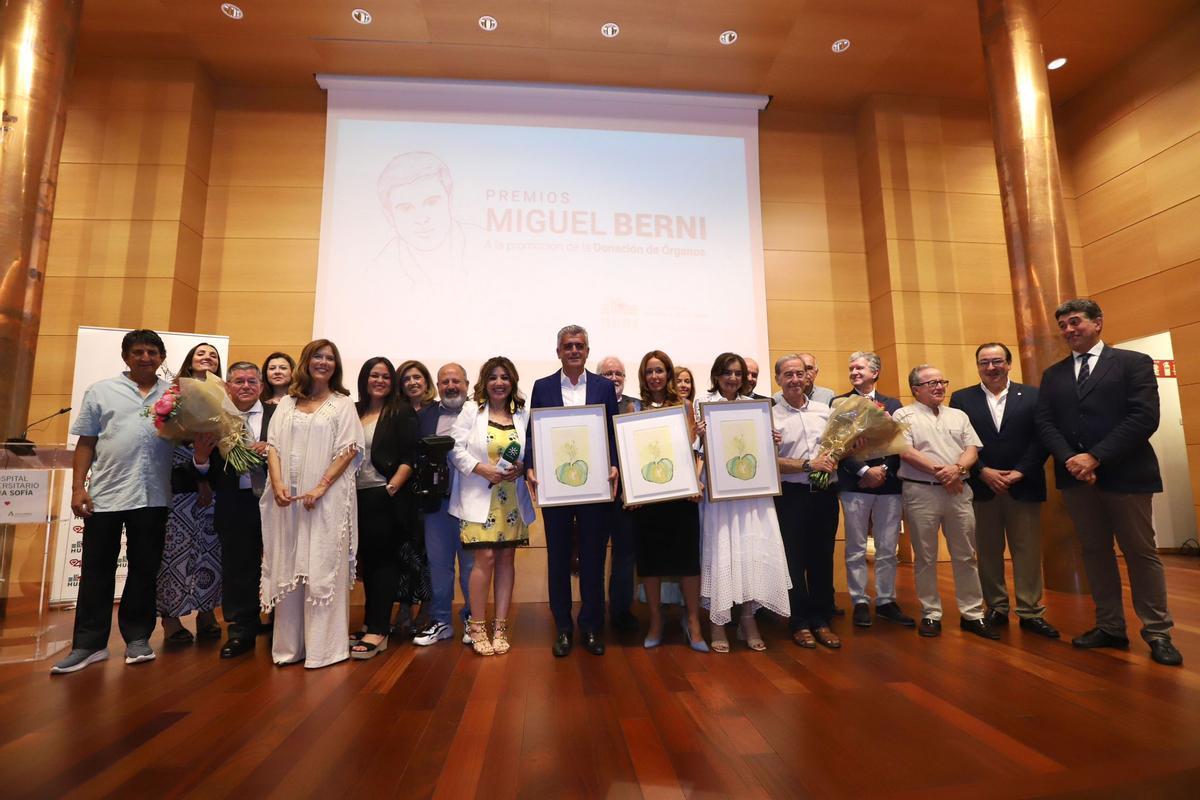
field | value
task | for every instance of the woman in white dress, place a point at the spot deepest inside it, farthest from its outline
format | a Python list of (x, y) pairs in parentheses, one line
[(741, 551), (310, 516)]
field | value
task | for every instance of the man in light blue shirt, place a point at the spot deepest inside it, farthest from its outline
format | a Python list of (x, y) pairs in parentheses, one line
[(130, 489)]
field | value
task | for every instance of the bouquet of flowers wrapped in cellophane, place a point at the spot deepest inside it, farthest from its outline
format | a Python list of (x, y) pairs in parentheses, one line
[(853, 418), (191, 406)]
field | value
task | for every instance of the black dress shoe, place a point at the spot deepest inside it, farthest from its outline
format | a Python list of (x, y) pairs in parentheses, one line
[(862, 615), (1098, 638), (1040, 627), (892, 613), (562, 645), (236, 647), (625, 622), (996, 619), (930, 627), (1164, 652), (978, 627), (834, 611), (593, 643)]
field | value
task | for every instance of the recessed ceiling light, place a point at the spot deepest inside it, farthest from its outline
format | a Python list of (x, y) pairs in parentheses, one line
[(1057, 63), (609, 30), (489, 24), (841, 45), (361, 16), (231, 11), (727, 37)]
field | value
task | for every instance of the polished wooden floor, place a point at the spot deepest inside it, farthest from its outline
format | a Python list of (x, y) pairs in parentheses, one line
[(889, 715)]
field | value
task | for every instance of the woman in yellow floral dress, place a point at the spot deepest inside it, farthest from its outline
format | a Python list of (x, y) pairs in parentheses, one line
[(490, 498)]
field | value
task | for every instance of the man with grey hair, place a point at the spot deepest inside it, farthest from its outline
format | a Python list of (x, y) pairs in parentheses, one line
[(1097, 409), (819, 393), (624, 557), (573, 385), (442, 542), (943, 448), (870, 495)]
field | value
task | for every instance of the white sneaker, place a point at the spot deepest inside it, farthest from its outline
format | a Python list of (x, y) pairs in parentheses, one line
[(77, 659), (433, 634)]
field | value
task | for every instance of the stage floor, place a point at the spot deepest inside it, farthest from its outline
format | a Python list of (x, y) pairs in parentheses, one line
[(890, 714)]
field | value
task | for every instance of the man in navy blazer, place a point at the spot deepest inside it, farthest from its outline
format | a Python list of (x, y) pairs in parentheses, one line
[(1009, 487), (573, 385), (1096, 412), (870, 495)]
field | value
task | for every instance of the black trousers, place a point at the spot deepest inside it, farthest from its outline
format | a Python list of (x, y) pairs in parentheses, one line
[(145, 530), (380, 532), (808, 521), (624, 563), (594, 522), (239, 527)]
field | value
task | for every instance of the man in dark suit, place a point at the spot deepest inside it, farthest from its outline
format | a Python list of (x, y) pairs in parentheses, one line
[(236, 516), (870, 495), (624, 559), (575, 386), (752, 371), (1009, 487), (1096, 412)]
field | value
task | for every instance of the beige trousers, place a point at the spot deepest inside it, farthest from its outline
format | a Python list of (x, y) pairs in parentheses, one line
[(926, 509)]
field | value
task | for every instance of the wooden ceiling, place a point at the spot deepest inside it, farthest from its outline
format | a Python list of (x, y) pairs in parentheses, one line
[(919, 47)]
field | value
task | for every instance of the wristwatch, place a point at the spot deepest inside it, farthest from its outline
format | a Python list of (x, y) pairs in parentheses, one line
[(963, 471)]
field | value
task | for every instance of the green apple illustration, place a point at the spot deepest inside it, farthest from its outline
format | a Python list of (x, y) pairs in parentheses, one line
[(743, 466), (573, 471)]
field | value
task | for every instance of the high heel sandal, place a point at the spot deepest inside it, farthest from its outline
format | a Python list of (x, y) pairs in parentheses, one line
[(500, 644), (699, 645), (368, 650), (477, 630), (754, 642), (719, 641)]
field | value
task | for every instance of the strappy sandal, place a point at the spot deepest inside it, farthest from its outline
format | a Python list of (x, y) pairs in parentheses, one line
[(477, 630), (357, 636), (755, 641), (828, 638), (805, 639), (718, 642), (363, 650), (500, 644)]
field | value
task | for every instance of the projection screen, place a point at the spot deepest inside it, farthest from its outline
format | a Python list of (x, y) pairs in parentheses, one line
[(462, 220)]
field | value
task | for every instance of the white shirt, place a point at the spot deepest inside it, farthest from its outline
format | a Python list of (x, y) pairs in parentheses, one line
[(801, 428), (1095, 356), (253, 419), (574, 394), (942, 436), (870, 394), (996, 403)]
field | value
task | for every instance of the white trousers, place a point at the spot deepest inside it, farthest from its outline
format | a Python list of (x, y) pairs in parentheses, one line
[(928, 508), (859, 509), (318, 634)]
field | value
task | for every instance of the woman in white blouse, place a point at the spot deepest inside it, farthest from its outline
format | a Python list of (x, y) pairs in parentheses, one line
[(491, 499)]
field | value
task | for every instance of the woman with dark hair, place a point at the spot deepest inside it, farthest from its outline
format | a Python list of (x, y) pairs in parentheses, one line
[(667, 535), (310, 516), (386, 513), (490, 499), (189, 578), (277, 372), (417, 387), (742, 558)]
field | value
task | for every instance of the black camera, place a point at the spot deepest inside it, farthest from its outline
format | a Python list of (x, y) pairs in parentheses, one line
[(431, 474)]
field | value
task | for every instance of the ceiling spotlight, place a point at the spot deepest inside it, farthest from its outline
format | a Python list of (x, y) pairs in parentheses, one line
[(489, 24), (1057, 63), (727, 37), (841, 45), (609, 30), (361, 16), (231, 11)]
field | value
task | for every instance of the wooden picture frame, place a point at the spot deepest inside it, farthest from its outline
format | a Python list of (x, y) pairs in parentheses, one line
[(573, 441), (654, 452), (740, 457)]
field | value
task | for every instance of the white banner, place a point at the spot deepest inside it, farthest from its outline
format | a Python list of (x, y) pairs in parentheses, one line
[(24, 496)]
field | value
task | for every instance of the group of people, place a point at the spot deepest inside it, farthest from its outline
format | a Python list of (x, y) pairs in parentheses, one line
[(335, 496)]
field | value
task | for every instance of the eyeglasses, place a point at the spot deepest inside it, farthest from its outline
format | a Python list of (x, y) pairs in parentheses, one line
[(932, 384), (613, 373), (992, 362)]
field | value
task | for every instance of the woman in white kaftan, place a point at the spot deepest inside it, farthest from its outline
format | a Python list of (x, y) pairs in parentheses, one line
[(741, 550), (310, 516)]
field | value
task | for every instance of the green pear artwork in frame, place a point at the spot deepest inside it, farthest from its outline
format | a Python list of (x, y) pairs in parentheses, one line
[(743, 465), (651, 445), (570, 447)]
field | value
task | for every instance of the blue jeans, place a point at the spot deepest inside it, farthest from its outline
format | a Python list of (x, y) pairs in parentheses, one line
[(442, 545)]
